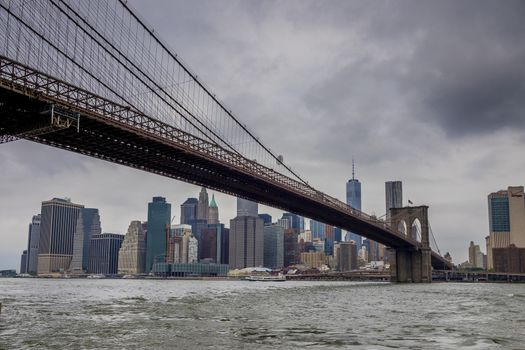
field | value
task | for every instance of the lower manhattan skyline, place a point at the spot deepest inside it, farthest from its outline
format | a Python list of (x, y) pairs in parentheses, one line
[(443, 124), (272, 174)]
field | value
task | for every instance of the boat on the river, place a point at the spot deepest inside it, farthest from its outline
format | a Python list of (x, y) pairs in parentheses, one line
[(256, 278)]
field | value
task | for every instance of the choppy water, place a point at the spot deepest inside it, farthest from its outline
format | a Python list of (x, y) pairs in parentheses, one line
[(153, 314)]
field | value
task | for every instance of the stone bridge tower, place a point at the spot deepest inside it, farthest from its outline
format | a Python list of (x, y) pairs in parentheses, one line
[(411, 264)]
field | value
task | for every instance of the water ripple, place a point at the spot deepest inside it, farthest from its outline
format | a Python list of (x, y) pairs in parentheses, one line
[(136, 314)]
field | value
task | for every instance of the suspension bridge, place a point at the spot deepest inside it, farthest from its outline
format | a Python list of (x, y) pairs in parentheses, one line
[(93, 78)]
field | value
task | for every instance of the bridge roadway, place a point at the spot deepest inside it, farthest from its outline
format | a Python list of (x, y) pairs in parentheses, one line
[(40, 108)]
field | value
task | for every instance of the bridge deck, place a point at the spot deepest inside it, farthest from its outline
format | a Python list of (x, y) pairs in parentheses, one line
[(93, 126)]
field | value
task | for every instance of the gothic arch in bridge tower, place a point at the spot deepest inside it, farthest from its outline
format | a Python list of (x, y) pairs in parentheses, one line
[(415, 230), (402, 227), (412, 217)]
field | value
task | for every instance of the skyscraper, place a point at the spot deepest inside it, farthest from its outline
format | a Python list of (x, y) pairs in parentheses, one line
[(337, 234), (291, 248), (177, 252), (329, 240), (132, 253), (246, 207), (57, 229), (197, 227), (159, 213), (246, 242), (296, 221), (103, 253), (347, 256), (267, 218), (88, 224), (506, 220), (32, 245), (213, 212), (188, 211), (393, 195), (203, 206), (284, 223), (474, 255), (23, 262), (353, 198), (212, 243), (318, 229), (273, 246)]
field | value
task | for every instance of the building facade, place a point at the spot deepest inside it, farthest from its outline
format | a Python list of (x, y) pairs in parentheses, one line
[(246, 242), (267, 218), (215, 244), (23, 262), (393, 196), (246, 207), (509, 260), (296, 221), (291, 248), (177, 252), (203, 205), (197, 228), (475, 256), (88, 224), (57, 229), (132, 253), (32, 245), (284, 223), (273, 246), (313, 259), (318, 229), (188, 211), (506, 220), (193, 248), (159, 214), (347, 256), (104, 253), (182, 246)]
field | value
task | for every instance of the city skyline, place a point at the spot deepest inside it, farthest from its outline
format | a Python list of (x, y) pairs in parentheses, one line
[(262, 174), (443, 164)]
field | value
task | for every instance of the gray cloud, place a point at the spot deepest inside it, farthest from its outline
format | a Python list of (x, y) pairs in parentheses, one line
[(430, 93)]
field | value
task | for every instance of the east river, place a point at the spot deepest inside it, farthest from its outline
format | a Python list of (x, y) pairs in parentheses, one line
[(185, 314)]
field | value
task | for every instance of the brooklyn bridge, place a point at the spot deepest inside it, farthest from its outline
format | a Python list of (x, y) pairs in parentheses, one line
[(93, 78)]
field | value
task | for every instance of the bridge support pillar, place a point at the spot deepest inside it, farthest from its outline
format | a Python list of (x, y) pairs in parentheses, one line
[(410, 266)]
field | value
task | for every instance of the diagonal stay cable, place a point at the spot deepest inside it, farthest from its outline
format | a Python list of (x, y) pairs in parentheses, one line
[(138, 77), (47, 41), (174, 57)]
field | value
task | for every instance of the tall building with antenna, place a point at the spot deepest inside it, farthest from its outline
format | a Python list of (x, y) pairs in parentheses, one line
[(353, 198)]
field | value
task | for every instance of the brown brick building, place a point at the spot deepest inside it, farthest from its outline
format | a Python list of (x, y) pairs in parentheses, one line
[(510, 259)]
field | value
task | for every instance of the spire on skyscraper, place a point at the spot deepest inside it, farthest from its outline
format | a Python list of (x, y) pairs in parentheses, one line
[(213, 204), (213, 211)]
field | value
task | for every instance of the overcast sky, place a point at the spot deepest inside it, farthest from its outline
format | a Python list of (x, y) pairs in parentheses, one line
[(429, 93)]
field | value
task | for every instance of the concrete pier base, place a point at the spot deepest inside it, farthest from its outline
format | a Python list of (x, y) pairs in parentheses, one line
[(410, 266)]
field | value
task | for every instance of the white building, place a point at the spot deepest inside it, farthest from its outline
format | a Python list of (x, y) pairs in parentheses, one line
[(132, 253)]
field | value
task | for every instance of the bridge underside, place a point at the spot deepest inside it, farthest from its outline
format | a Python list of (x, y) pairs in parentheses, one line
[(28, 117)]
